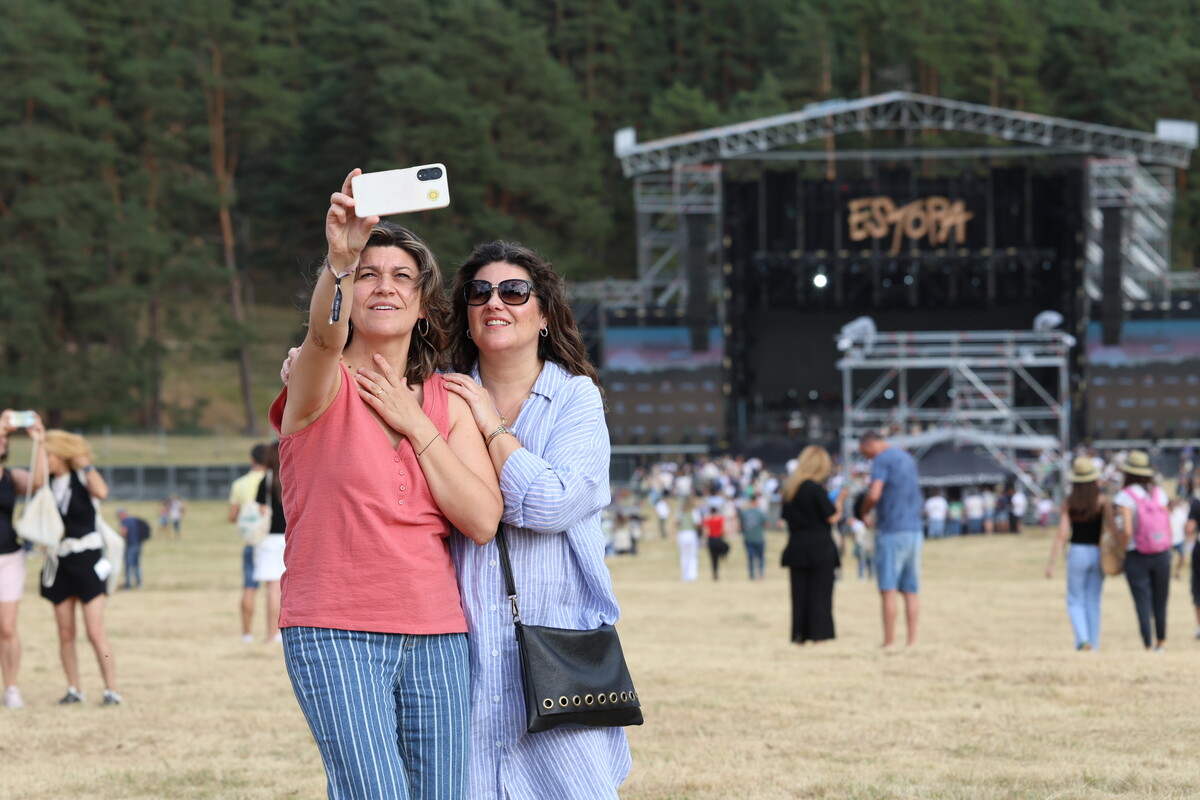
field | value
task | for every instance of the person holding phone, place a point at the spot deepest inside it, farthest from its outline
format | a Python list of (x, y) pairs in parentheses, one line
[(535, 396), (76, 574), (13, 484), (376, 462)]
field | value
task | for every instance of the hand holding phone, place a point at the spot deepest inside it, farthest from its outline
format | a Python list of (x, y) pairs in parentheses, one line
[(401, 191), (22, 419)]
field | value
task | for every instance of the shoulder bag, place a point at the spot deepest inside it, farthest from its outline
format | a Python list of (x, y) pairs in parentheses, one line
[(40, 522), (253, 523), (112, 552), (1112, 543), (572, 678)]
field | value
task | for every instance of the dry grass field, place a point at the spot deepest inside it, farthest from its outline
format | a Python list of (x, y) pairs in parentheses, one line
[(993, 702)]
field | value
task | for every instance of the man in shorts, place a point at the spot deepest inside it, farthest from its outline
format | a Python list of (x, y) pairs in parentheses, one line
[(243, 491), (895, 495)]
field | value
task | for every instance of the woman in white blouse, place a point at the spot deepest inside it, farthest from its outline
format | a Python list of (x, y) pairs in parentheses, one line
[(525, 372)]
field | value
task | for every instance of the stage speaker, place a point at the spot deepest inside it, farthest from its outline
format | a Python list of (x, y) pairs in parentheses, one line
[(1112, 301), (698, 314)]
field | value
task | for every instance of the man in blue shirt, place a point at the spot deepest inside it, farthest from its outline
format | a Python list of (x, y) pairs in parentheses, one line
[(895, 495), (135, 530)]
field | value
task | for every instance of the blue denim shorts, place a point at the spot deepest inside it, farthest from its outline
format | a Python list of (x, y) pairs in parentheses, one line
[(898, 562), (248, 581)]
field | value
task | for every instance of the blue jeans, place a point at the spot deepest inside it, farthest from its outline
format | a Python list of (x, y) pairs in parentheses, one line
[(754, 556), (937, 528), (248, 581), (133, 566), (389, 712), (898, 561), (1085, 582)]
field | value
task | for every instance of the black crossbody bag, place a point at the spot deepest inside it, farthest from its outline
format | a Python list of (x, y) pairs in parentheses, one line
[(572, 678)]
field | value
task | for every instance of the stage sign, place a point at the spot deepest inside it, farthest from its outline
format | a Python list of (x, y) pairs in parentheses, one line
[(934, 217)]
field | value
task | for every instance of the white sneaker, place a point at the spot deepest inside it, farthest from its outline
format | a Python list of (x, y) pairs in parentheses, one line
[(276, 639), (12, 698), (247, 638)]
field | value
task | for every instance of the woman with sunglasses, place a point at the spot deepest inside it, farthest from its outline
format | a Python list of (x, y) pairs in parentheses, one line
[(377, 462), (535, 397)]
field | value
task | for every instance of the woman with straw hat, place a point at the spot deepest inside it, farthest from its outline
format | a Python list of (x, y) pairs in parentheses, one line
[(1145, 529), (1082, 519)]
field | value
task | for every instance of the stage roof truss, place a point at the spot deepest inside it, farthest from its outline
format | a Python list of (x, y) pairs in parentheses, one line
[(980, 371), (893, 111)]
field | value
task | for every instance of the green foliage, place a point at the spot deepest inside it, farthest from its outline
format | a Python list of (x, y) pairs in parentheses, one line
[(154, 156)]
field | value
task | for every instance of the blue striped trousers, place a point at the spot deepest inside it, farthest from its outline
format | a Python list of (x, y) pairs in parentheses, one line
[(389, 712)]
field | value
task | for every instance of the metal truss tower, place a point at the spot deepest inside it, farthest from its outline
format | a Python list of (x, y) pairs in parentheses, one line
[(1007, 391)]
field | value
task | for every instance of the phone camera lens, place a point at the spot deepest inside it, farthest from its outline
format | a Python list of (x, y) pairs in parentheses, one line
[(429, 174)]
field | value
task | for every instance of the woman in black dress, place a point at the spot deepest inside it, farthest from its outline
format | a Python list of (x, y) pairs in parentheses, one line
[(75, 576), (811, 555)]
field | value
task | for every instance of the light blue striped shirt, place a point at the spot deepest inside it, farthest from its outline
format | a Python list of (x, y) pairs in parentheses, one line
[(554, 489)]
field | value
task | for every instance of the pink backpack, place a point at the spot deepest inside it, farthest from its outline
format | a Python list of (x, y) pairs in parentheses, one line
[(1152, 528)]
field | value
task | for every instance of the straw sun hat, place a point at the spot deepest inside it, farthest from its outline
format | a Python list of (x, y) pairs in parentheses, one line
[(1138, 463), (1084, 470)]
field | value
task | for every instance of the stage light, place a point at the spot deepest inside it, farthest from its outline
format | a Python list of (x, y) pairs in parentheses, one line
[(820, 281)]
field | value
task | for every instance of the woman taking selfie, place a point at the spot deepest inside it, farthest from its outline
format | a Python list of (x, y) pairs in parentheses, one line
[(76, 574), (540, 409), (14, 483), (377, 462)]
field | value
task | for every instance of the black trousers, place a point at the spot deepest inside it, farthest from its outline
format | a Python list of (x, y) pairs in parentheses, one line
[(1149, 579), (812, 604)]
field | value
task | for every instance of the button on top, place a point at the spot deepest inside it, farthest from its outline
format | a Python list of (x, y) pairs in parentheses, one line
[(396, 459)]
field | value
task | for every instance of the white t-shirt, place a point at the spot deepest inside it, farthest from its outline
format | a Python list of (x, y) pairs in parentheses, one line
[(1129, 506), (936, 507), (973, 506), (1020, 503)]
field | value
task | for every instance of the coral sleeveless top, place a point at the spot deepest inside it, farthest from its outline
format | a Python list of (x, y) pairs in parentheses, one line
[(366, 545)]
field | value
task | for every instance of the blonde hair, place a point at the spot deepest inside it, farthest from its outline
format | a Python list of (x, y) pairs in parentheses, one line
[(813, 464), (67, 446)]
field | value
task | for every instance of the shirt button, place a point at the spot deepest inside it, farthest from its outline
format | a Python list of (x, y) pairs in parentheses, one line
[(493, 606), (402, 487), (498, 743), (401, 472), (495, 698), (401, 502), (495, 652), (490, 563), (396, 459)]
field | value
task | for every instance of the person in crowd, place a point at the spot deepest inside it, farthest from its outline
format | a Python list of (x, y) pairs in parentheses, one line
[(1002, 516), (1142, 506), (136, 531), (973, 509), (268, 554), (936, 511), (713, 525), (662, 511), (864, 539), (75, 575), (175, 509), (954, 513), (811, 555), (1178, 513), (377, 462), (1018, 505), (1082, 521), (14, 483), (688, 539), (895, 496), (242, 493), (1193, 523), (988, 497), (753, 523), (164, 517), (524, 370)]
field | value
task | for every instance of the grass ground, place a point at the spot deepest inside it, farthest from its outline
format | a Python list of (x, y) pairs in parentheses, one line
[(993, 703)]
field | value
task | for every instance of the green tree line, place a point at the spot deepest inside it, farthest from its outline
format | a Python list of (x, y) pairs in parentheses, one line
[(159, 160)]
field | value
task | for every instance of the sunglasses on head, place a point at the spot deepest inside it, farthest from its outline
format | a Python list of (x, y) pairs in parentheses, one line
[(513, 292)]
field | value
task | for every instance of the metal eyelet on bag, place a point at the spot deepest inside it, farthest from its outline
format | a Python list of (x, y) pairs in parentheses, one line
[(577, 701), (602, 698), (624, 697), (612, 697), (588, 700), (563, 701), (547, 704)]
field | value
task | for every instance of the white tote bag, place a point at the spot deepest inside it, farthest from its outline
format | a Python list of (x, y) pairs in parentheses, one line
[(40, 521)]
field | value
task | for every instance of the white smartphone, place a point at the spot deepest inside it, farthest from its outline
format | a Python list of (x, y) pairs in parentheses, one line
[(21, 419), (401, 191)]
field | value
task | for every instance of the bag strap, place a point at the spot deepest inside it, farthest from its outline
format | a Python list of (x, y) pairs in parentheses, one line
[(37, 448), (506, 565)]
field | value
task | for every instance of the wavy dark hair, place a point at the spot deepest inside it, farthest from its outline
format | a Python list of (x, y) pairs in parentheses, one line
[(1084, 502), (425, 350), (563, 343)]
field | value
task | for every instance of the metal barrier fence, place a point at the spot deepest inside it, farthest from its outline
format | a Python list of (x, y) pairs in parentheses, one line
[(155, 482)]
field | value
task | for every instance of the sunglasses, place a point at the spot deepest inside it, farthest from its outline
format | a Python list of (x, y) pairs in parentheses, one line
[(513, 292)]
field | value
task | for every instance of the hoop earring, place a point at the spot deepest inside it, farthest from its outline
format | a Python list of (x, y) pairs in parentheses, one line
[(468, 333), (545, 332), (424, 332)]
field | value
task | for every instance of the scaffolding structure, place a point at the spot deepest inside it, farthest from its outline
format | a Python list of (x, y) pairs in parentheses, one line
[(1007, 391)]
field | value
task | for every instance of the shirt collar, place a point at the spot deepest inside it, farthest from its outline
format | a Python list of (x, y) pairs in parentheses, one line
[(549, 381)]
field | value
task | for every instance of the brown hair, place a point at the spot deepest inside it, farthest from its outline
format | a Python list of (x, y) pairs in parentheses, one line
[(67, 446), (271, 462), (1083, 503), (426, 349), (813, 464), (563, 343)]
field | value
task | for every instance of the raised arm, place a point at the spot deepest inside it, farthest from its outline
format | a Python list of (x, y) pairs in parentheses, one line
[(314, 378)]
